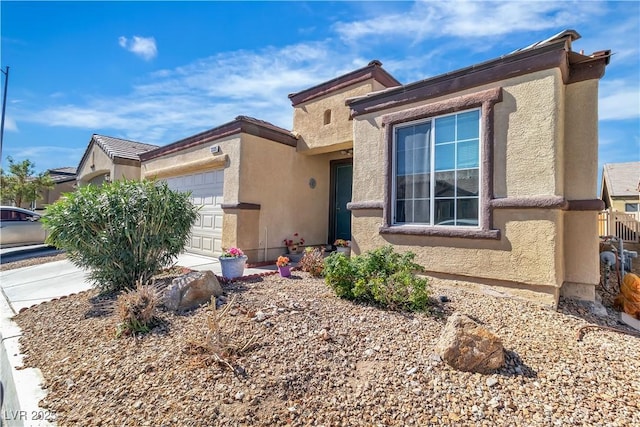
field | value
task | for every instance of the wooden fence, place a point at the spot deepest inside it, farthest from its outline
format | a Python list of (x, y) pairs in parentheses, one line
[(625, 226)]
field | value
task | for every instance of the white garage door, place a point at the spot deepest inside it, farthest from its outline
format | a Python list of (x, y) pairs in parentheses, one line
[(206, 192)]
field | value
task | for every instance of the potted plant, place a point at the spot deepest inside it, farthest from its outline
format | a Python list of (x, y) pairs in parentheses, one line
[(232, 261), (343, 246), (293, 244), (284, 268)]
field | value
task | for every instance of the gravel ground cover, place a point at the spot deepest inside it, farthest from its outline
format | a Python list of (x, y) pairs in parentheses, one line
[(32, 261), (319, 360)]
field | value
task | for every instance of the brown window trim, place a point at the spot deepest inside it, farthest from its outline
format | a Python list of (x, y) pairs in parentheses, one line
[(484, 100)]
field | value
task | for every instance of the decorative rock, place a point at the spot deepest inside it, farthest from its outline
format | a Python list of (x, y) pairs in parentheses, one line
[(191, 290), (491, 382), (467, 346)]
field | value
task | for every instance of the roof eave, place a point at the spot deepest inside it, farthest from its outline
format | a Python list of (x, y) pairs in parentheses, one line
[(373, 70), (242, 124), (573, 66)]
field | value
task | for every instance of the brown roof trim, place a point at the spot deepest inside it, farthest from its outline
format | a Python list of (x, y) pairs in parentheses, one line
[(240, 206), (574, 67), (242, 124), (373, 70)]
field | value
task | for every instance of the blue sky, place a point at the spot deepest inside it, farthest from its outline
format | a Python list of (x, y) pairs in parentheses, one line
[(157, 72)]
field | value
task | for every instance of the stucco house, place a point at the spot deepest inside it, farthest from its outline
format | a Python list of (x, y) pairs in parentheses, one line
[(107, 159), (620, 188), (487, 173), (64, 180)]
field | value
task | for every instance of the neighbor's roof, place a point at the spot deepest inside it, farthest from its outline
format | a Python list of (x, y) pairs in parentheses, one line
[(67, 170), (63, 174), (373, 70), (622, 179), (122, 148)]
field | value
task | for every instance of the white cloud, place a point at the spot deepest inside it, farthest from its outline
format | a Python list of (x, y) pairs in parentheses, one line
[(46, 156), (10, 124), (619, 100), (468, 19), (176, 103), (144, 47)]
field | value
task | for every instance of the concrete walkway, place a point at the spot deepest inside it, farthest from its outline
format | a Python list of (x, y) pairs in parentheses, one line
[(23, 287)]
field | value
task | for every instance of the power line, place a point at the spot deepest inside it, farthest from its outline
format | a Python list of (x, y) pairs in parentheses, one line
[(4, 107)]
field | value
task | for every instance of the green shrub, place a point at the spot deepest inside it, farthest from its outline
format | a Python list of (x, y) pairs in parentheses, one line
[(340, 275), (380, 276), (312, 262), (123, 232)]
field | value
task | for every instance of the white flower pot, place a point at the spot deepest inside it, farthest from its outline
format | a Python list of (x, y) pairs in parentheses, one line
[(233, 267)]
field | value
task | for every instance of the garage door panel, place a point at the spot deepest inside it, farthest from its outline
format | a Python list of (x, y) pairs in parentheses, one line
[(207, 244), (207, 221), (207, 193)]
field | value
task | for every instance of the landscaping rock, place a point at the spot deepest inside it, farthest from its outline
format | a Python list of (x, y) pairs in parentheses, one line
[(191, 290), (467, 346)]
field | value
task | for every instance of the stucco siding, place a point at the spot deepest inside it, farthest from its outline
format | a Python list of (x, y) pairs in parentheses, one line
[(308, 120), (528, 254), (97, 163), (527, 162), (52, 195), (278, 179), (582, 264), (527, 118), (527, 132), (581, 140), (125, 172)]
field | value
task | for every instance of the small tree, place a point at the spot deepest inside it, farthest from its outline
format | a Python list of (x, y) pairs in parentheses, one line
[(123, 232), (20, 185)]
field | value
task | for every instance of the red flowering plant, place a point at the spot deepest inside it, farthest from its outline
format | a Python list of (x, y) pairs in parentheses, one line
[(282, 261), (341, 243), (232, 253), (295, 241)]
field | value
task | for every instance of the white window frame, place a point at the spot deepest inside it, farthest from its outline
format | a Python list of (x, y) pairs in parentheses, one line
[(432, 172)]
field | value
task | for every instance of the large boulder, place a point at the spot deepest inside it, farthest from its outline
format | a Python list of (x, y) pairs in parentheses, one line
[(191, 290), (467, 346)]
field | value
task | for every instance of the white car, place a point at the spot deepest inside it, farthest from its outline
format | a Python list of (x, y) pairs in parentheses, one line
[(19, 227)]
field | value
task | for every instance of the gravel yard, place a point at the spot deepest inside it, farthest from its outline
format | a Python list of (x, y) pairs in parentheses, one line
[(319, 360)]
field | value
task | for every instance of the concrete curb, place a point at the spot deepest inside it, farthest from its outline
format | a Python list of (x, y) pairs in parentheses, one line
[(10, 254), (21, 388)]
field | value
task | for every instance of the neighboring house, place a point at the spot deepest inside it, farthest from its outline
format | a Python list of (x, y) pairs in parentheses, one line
[(620, 193), (108, 159), (64, 180), (486, 173), (620, 188)]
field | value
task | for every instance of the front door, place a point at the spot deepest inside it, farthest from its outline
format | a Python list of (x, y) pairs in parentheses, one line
[(341, 183)]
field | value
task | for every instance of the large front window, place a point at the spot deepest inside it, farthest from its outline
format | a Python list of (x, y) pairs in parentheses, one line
[(436, 171)]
